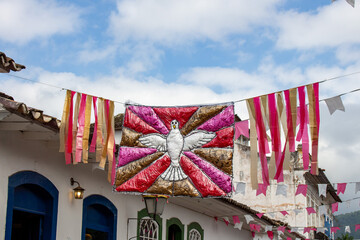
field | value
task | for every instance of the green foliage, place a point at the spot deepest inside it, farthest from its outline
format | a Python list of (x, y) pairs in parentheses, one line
[(345, 237), (348, 219)]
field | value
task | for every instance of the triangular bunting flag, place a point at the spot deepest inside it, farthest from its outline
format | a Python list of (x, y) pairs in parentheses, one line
[(238, 225), (335, 207), (351, 2), (341, 188), (242, 128), (322, 189), (281, 189), (347, 229), (240, 188), (357, 187), (248, 218), (301, 189)]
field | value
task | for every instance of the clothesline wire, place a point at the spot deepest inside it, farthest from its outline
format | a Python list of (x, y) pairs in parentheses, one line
[(322, 81), (54, 86)]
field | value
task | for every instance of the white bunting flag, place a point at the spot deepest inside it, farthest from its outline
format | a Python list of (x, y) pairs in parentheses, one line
[(248, 218), (321, 229), (322, 210), (240, 188), (334, 103), (347, 229), (272, 215), (268, 228), (294, 229), (351, 2), (322, 189), (238, 225), (282, 190), (357, 187)]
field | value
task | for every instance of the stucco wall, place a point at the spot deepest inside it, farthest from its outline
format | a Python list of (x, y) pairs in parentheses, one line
[(17, 154)]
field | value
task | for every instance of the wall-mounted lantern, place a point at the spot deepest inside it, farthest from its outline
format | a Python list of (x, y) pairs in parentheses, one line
[(155, 204), (78, 191)]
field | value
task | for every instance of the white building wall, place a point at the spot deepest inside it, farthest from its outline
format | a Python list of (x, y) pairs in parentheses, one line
[(17, 154)]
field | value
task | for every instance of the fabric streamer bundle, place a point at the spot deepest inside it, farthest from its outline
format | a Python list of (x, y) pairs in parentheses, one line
[(271, 112), (75, 130), (176, 151)]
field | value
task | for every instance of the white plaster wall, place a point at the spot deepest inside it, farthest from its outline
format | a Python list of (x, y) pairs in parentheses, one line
[(17, 154)]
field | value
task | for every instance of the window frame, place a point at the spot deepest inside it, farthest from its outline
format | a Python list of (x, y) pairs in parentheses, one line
[(177, 222), (196, 226), (34, 178), (143, 213), (101, 200)]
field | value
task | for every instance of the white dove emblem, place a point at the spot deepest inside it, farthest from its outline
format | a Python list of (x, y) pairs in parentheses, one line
[(174, 143)]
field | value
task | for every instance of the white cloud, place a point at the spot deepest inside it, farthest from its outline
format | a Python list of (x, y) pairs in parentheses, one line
[(25, 20), (329, 26), (171, 21)]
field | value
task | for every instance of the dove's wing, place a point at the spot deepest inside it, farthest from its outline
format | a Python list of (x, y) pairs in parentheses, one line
[(154, 140), (197, 139)]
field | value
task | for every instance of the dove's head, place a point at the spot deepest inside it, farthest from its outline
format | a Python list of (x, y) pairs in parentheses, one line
[(174, 124)]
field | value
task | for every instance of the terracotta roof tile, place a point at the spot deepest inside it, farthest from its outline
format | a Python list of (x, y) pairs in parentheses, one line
[(7, 64)]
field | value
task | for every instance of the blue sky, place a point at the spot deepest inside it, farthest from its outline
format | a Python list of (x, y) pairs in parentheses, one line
[(168, 52)]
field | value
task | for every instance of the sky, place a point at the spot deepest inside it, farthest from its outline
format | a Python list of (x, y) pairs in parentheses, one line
[(171, 53)]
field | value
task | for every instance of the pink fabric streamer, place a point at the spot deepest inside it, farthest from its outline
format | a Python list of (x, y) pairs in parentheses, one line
[(334, 207), (93, 140), (315, 143), (310, 210), (262, 139), (291, 136), (69, 135), (301, 91), (274, 128), (80, 133), (242, 128), (279, 176), (305, 142), (341, 188), (301, 189)]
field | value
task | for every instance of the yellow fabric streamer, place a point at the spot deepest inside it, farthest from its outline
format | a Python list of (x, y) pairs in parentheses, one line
[(108, 132), (293, 104), (253, 145), (111, 143), (64, 121), (99, 136), (312, 122), (85, 143)]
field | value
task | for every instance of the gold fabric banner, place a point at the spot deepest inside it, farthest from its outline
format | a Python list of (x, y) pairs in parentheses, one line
[(253, 145)]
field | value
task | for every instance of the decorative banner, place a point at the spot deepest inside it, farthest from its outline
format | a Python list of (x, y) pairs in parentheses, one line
[(334, 103), (281, 190), (301, 189), (341, 188), (322, 189), (242, 128), (240, 188), (177, 151), (248, 218), (334, 207)]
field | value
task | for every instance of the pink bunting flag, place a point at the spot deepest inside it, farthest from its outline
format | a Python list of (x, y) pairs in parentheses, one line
[(288, 238), (335, 207), (270, 235), (310, 210), (236, 219), (334, 229), (259, 215), (242, 128), (284, 213), (216, 219), (253, 234), (307, 230), (261, 189), (301, 189), (255, 227), (341, 188), (357, 227), (281, 228)]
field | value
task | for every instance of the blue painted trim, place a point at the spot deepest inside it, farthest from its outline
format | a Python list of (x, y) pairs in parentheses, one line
[(98, 199), (30, 177)]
